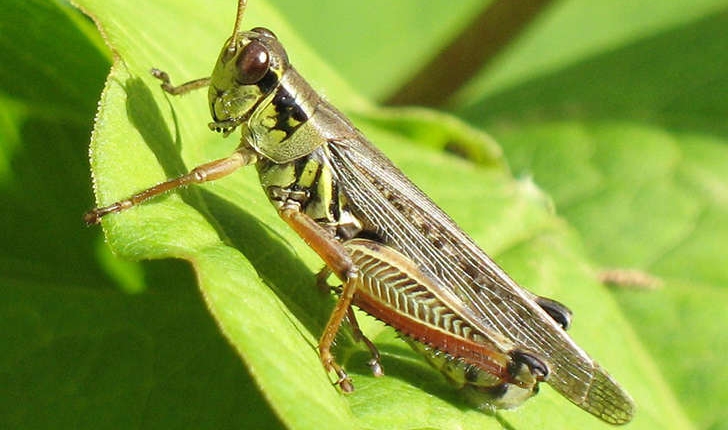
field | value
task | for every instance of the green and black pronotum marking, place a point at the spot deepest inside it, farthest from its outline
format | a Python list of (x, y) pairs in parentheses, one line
[(400, 257)]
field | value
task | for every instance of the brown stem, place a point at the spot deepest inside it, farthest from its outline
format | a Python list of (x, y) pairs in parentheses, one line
[(486, 36)]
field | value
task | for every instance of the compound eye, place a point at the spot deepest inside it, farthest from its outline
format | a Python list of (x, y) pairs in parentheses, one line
[(252, 63)]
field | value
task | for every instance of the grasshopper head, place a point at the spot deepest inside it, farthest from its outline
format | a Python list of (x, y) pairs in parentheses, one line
[(248, 69)]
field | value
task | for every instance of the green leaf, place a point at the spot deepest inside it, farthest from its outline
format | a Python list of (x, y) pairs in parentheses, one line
[(631, 144), (222, 226), (77, 351), (82, 352)]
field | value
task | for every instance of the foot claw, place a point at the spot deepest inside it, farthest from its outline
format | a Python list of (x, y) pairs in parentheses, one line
[(376, 367), (344, 383)]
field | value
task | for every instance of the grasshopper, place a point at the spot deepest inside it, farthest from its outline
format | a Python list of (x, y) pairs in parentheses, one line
[(399, 257)]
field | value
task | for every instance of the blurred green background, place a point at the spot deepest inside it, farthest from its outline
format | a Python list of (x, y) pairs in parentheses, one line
[(617, 110)]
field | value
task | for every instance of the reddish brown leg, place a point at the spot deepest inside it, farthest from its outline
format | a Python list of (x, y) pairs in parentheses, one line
[(375, 362), (204, 173), (338, 260)]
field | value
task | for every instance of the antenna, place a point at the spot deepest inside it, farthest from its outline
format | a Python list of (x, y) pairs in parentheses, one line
[(242, 4)]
